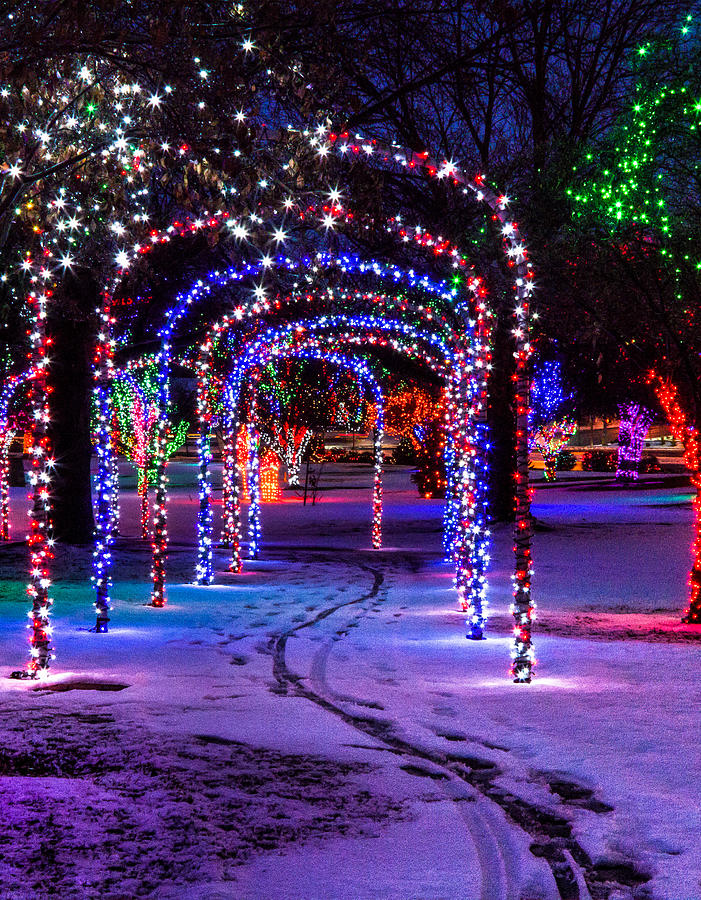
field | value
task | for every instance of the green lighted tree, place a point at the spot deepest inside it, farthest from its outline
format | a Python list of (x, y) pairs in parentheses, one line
[(637, 205), (135, 403)]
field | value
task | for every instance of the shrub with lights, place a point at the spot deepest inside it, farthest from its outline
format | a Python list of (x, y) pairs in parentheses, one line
[(599, 461)]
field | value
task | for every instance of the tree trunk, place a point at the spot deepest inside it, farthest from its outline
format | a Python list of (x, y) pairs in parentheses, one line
[(501, 422), (550, 466), (693, 613), (71, 380)]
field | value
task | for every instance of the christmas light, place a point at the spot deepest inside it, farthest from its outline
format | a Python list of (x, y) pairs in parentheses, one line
[(106, 482), (634, 423), (130, 156), (270, 490), (549, 430), (688, 435)]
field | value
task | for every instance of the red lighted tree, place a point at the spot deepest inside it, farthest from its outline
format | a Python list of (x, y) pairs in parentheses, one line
[(688, 435)]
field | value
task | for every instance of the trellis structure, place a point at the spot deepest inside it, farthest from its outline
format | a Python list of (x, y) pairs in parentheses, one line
[(453, 360), (231, 506), (323, 142)]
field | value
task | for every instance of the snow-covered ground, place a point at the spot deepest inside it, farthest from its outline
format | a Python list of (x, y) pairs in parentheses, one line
[(318, 727)]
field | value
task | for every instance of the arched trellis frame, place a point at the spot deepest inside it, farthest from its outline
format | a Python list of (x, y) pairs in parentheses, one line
[(345, 263), (323, 141), (257, 306), (465, 549), (266, 352), (470, 555)]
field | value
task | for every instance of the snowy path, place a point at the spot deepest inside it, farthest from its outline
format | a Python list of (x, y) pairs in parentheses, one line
[(319, 728)]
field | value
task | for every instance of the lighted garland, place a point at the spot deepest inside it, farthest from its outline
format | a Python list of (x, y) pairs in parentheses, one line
[(257, 306), (470, 552), (323, 140), (297, 331), (274, 349)]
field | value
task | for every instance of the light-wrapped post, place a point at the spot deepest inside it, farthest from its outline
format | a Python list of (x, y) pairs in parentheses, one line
[(377, 482), (204, 573), (104, 479), (39, 540), (523, 607), (232, 511), (228, 464), (451, 510), (159, 535), (6, 437), (480, 429), (467, 578), (254, 528)]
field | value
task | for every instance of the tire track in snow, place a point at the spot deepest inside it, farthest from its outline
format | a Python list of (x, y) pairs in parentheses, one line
[(574, 874)]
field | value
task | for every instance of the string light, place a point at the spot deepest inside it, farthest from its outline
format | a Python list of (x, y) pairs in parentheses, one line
[(634, 423), (270, 490), (688, 435), (41, 463), (324, 141)]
